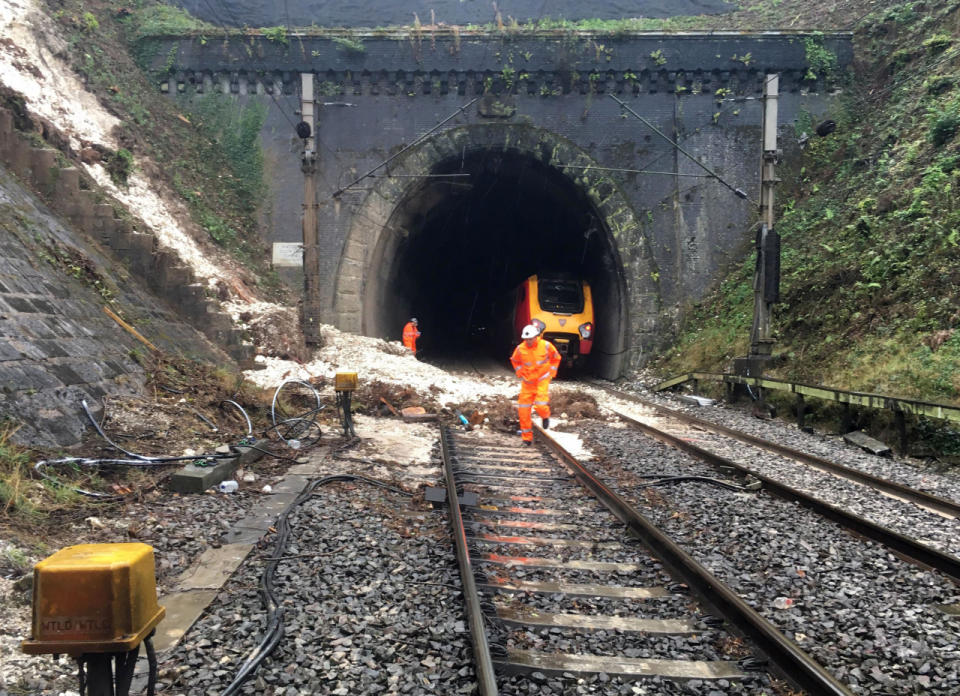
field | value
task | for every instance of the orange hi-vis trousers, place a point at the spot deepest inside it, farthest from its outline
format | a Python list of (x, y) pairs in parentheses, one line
[(533, 396)]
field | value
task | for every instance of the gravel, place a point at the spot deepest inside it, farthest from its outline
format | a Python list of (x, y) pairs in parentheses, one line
[(179, 528), (867, 616), (937, 531), (372, 600), (910, 472)]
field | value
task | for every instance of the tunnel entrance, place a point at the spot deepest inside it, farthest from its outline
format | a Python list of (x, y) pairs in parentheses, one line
[(462, 240)]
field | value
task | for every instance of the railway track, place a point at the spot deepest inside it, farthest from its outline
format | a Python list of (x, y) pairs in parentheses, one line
[(944, 506), (569, 591), (548, 555), (854, 506)]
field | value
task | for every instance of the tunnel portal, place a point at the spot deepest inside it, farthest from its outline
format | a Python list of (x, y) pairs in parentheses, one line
[(462, 239)]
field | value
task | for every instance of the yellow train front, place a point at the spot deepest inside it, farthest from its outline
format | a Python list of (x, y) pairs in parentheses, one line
[(561, 306)]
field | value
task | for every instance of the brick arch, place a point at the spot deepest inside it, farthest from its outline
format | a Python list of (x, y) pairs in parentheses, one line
[(376, 220)]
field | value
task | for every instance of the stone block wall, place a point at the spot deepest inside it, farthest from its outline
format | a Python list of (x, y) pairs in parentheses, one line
[(63, 188), (62, 263)]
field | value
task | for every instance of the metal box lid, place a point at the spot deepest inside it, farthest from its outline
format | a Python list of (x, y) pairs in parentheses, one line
[(93, 598), (345, 381)]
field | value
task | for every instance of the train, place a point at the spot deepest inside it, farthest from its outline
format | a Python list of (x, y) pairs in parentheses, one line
[(561, 306)]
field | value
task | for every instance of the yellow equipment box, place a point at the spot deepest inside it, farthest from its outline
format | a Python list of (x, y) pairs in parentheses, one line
[(345, 381), (93, 598)]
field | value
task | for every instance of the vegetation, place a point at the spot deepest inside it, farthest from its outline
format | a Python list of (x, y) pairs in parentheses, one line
[(14, 478), (349, 45), (870, 226), (212, 157)]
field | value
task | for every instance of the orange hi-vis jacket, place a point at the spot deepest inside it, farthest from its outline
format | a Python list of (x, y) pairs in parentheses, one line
[(535, 364), (410, 334)]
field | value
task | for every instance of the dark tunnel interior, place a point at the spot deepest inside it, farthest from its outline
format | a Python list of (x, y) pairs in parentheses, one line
[(462, 244)]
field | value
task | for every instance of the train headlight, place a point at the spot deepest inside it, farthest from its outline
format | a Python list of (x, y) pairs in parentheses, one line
[(586, 331), (539, 324)]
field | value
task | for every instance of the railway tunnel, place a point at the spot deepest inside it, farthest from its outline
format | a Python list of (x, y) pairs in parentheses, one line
[(461, 240)]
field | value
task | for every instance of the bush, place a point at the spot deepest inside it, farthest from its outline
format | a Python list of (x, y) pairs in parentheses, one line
[(937, 43), (119, 164), (944, 124)]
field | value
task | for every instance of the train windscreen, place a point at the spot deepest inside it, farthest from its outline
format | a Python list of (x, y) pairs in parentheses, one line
[(561, 296)]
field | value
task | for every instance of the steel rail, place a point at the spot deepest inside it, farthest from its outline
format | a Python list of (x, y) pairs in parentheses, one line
[(789, 660), (486, 678), (934, 502), (909, 548)]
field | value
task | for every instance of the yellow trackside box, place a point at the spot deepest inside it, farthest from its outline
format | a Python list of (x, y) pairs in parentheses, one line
[(345, 381), (93, 598)]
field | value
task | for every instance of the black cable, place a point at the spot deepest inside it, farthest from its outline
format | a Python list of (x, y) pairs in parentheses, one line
[(275, 628), (81, 676), (152, 664), (273, 454), (737, 192), (96, 425)]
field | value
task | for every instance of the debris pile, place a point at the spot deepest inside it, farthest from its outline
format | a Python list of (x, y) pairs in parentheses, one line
[(574, 403), (273, 329), (375, 359)]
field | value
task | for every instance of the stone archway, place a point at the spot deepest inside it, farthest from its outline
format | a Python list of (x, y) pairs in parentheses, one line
[(396, 207)]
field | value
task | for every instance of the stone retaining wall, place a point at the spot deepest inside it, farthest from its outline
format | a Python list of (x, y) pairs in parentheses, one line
[(60, 267)]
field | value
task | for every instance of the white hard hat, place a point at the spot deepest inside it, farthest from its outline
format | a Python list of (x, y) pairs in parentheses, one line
[(414, 321), (530, 331)]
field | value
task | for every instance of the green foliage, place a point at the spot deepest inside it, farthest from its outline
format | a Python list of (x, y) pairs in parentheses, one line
[(15, 559), (349, 45), (938, 84), (900, 58), (89, 22), (328, 89), (658, 58), (943, 122), (276, 35), (937, 43), (155, 21), (901, 14), (119, 164), (236, 132), (820, 59)]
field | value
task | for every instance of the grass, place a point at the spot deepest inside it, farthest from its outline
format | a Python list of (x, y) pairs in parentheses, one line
[(28, 502), (17, 492)]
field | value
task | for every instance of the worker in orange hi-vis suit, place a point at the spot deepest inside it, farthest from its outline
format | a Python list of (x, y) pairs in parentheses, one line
[(535, 362), (410, 334)]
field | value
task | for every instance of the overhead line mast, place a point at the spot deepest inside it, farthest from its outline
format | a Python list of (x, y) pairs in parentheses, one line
[(766, 274), (310, 313)]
